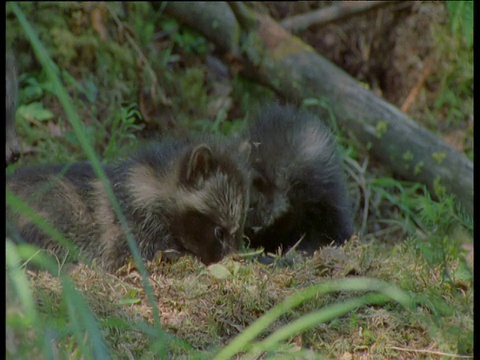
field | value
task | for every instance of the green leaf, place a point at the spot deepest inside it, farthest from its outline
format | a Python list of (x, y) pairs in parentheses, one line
[(219, 271), (129, 301), (34, 112), (463, 272)]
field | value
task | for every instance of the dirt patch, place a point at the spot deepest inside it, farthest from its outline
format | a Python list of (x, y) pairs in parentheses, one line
[(396, 51)]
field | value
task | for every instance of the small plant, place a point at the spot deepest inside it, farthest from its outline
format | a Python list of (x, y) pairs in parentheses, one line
[(448, 230), (122, 131)]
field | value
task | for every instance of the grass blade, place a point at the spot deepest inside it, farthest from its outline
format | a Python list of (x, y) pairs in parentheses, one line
[(351, 284)]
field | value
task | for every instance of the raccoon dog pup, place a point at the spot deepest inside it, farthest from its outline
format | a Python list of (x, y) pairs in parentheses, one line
[(298, 188), (187, 196)]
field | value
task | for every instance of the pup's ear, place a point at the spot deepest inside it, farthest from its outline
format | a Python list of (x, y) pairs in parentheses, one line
[(198, 165)]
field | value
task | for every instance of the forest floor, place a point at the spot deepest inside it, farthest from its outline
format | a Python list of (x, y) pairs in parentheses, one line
[(134, 73)]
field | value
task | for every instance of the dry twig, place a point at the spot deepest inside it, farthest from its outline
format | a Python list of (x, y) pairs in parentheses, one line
[(426, 351), (338, 11), (361, 181), (412, 95)]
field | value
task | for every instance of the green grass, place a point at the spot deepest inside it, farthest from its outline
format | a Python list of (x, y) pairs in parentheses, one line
[(402, 288)]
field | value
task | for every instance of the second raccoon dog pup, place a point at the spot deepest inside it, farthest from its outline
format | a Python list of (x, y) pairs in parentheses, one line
[(187, 197), (298, 189)]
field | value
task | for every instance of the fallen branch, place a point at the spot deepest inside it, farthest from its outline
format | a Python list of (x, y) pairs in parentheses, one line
[(272, 56), (335, 12)]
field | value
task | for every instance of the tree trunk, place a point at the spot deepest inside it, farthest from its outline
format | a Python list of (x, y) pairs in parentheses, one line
[(294, 70)]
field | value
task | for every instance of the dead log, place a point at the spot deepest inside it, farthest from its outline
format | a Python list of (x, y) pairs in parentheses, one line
[(294, 70)]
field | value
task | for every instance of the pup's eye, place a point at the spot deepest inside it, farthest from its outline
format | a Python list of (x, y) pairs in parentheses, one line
[(220, 233), (260, 183)]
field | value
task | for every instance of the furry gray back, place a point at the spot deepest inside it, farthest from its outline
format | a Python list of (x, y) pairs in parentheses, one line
[(298, 187)]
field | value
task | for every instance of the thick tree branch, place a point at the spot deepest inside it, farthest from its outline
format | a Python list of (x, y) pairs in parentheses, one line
[(243, 16)]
